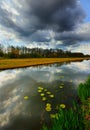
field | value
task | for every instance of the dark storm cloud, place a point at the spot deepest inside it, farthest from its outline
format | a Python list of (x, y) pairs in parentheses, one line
[(56, 15), (72, 37)]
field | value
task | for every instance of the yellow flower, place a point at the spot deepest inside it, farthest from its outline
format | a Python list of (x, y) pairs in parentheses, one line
[(52, 96), (26, 97), (62, 106), (42, 94), (44, 99)]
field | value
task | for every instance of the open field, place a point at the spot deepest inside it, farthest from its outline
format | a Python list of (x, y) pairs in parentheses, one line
[(20, 63)]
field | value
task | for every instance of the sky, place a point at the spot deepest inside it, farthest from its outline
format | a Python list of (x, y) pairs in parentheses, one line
[(63, 24)]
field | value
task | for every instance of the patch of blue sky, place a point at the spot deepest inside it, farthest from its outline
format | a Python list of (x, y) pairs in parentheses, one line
[(86, 5)]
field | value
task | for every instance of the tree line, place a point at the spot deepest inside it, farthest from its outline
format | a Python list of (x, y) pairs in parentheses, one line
[(25, 52)]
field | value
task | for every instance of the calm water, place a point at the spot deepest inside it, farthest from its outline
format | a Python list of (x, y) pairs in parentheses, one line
[(61, 80)]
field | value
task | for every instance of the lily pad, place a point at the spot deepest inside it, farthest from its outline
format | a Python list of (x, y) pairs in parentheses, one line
[(48, 92), (60, 86), (48, 109), (42, 94), (39, 91), (51, 96), (44, 98), (48, 105), (26, 97), (40, 88), (62, 106)]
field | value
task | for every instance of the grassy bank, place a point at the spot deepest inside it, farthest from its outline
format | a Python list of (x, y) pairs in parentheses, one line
[(77, 117), (19, 63)]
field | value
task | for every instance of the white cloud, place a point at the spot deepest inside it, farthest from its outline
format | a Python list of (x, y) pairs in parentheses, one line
[(6, 76), (9, 8)]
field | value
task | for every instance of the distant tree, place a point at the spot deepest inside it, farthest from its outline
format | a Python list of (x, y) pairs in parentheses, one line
[(1, 51)]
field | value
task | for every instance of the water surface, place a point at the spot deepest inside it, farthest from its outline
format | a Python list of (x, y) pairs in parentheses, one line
[(61, 80)]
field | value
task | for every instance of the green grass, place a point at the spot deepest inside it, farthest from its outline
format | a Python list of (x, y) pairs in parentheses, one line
[(77, 117), (84, 90)]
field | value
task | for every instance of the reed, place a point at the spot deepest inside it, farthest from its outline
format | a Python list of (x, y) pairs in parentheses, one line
[(84, 90)]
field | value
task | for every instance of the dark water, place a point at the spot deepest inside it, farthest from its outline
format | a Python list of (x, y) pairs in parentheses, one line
[(61, 80)]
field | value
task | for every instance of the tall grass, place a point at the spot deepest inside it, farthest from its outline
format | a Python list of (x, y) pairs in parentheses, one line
[(84, 90)]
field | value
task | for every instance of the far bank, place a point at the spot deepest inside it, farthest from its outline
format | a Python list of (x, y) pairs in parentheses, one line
[(21, 63)]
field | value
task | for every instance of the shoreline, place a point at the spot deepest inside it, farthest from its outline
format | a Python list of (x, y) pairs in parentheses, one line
[(28, 62)]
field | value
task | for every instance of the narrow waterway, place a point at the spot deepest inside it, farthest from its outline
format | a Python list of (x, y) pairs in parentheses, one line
[(25, 92)]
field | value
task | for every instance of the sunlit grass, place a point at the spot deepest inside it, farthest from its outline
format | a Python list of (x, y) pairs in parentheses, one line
[(19, 63)]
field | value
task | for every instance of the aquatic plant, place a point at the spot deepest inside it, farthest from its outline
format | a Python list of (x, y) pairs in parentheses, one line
[(40, 88), (77, 117), (48, 104), (62, 106), (26, 97), (39, 91), (44, 98), (48, 92), (62, 76), (45, 90), (62, 83), (42, 94), (48, 107), (53, 116), (84, 90), (60, 86), (70, 119), (51, 96)]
